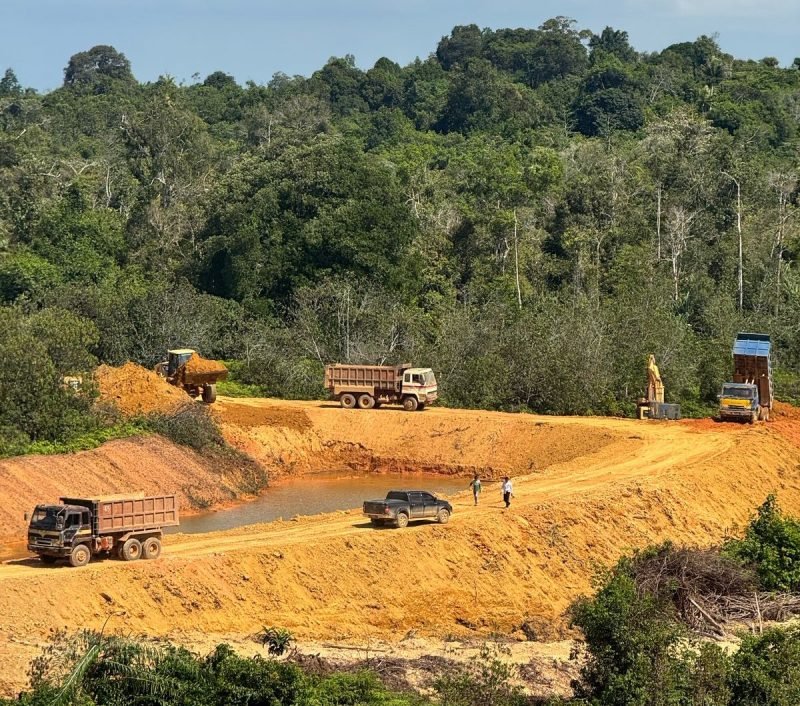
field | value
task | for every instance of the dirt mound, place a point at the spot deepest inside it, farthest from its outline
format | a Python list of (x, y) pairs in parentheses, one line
[(197, 365), (136, 390), (783, 411)]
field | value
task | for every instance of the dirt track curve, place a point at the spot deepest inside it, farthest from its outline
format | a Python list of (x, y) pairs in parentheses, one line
[(586, 490)]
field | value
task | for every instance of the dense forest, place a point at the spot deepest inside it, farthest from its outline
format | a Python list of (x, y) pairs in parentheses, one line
[(530, 212)]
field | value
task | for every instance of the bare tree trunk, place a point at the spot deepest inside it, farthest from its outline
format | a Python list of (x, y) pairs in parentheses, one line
[(516, 261), (739, 231), (658, 223)]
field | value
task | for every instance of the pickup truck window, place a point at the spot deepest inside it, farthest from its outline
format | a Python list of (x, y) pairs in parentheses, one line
[(428, 498), (397, 495)]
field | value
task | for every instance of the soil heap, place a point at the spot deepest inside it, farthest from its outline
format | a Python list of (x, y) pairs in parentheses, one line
[(136, 390), (198, 365)]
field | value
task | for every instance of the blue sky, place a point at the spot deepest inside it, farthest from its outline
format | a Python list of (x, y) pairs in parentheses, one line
[(252, 39)]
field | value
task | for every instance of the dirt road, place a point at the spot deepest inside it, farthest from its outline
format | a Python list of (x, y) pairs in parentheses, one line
[(586, 490)]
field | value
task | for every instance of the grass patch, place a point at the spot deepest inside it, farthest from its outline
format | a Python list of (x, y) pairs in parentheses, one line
[(234, 388), (85, 441)]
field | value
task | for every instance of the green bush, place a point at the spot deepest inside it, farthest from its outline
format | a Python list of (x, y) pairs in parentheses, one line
[(87, 669), (771, 545), (633, 644), (487, 681), (766, 669)]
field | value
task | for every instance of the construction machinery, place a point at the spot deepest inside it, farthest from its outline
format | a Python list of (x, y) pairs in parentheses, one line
[(196, 375), (368, 386), (748, 397), (653, 406), (77, 529)]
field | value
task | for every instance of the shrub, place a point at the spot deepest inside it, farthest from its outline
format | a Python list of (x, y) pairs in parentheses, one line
[(771, 545), (486, 681), (766, 669), (633, 644)]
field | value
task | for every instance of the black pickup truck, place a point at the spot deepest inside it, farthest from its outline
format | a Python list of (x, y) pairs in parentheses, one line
[(400, 506)]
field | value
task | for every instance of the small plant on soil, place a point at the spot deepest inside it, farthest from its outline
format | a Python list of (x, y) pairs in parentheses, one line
[(276, 640)]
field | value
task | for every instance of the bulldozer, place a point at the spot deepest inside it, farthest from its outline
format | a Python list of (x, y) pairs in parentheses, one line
[(197, 376)]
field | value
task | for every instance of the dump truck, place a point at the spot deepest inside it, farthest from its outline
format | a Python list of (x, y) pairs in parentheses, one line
[(196, 375), (368, 386), (748, 397), (128, 526)]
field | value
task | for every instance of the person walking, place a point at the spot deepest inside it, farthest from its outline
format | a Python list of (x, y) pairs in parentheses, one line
[(476, 487), (508, 491)]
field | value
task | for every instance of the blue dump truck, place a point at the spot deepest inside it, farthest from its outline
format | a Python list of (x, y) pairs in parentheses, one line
[(749, 396)]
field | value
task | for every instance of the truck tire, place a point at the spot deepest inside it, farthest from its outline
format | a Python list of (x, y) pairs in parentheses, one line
[(753, 417), (80, 555), (443, 517), (401, 521), (209, 394), (410, 404), (131, 550), (366, 402), (47, 559), (151, 548), (347, 400)]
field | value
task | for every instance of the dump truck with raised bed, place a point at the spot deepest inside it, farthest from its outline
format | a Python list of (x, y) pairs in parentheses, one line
[(196, 375), (368, 386), (748, 397), (129, 526)]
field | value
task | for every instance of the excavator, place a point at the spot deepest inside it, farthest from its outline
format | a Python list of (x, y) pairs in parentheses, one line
[(653, 406)]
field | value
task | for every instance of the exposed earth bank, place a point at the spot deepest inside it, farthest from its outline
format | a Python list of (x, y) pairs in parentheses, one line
[(586, 491)]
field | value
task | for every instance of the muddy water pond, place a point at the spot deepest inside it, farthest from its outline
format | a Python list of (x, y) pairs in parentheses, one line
[(316, 493)]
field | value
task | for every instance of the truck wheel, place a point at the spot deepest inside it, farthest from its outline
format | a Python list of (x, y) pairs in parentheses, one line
[(47, 559), (347, 400), (366, 402), (410, 404), (131, 550), (209, 394), (80, 555), (402, 520), (753, 417), (443, 517), (151, 548)]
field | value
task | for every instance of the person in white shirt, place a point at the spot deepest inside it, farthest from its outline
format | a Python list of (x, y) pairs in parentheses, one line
[(507, 491)]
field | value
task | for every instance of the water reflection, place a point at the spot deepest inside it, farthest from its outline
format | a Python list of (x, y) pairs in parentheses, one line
[(320, 492)]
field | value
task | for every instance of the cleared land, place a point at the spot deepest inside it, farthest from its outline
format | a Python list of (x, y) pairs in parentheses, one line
[(586, 490)]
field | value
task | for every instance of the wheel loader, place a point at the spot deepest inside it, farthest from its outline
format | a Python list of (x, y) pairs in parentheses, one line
[(197, 376)]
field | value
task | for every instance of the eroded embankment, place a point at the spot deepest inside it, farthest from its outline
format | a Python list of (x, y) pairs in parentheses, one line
[(150, 464), (295, 438)]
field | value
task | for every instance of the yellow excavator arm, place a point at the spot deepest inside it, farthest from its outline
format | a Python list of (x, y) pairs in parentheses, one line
[(655, 388)]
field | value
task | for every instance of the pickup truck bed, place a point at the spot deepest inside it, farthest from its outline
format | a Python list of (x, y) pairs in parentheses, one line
[(401, 506)]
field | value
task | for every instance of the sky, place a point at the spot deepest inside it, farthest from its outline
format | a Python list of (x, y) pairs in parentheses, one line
[(253, 39)]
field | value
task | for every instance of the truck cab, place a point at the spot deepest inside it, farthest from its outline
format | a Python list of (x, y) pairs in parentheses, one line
[(176, 358), (53, 530), (739, 402), (421, 384)]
